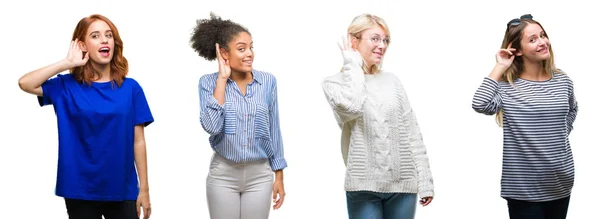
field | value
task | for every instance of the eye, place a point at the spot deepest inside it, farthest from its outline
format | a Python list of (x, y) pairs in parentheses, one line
[(110, 35), (241, 49), (94, 36)]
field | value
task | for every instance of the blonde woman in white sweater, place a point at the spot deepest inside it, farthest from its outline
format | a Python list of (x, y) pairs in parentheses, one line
[(387, 167)]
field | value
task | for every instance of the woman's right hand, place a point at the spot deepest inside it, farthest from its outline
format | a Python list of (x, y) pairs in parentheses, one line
[(224, 68), (505, 57), (75, 56), (349, 53)]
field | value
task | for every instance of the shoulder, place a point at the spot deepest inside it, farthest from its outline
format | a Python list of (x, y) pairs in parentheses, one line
[(561, 75), (264, 77), (208, 79), (131, 82), (67, 77)]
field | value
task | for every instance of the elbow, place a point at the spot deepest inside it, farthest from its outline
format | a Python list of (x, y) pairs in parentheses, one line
[(23, 84), (210, 129)]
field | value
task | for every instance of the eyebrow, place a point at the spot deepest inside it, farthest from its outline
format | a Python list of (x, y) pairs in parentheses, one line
[(243, 43), (97, 31)]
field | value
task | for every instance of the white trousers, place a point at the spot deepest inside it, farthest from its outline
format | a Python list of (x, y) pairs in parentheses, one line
[(239, 190)]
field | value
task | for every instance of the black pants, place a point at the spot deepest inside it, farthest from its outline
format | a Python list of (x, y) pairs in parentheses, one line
[(556, 209), (83, 209)]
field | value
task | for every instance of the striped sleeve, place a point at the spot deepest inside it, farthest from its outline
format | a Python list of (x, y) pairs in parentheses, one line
[(486, 99), (277, 161), (573, 108), (211, 112)]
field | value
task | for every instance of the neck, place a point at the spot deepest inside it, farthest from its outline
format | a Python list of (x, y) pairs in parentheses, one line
[(534, 71), (104, 71), (240, 76)]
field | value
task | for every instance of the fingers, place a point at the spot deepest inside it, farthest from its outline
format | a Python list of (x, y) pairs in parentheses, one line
[(279, 202), (349, 43), (138, 205), (217, 48), (147, 212), (426, 201)]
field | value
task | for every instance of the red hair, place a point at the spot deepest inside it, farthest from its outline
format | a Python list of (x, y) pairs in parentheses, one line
[(119, 66)]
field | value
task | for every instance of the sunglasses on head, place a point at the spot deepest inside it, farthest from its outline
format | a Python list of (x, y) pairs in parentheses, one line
[(517, 21)]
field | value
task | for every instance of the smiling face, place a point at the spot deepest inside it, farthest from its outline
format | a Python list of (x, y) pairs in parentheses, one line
[(99, 42), (535, 45), (240, 52), (372, 44)]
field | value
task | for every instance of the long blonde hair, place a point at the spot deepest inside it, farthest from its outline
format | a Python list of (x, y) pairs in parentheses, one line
[(513, 36), (359, 25)]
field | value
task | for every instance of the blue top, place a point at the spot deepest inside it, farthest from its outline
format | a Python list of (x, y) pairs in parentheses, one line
[(246, 127), (95, 136)]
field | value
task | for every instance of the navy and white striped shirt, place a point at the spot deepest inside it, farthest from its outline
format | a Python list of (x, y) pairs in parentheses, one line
[(245, 128), (537, 163)]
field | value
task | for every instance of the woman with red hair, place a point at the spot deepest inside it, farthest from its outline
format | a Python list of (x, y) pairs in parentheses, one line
[(101, 115)]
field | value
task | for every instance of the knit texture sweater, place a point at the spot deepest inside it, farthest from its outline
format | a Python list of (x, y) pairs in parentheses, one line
[(382, 145)]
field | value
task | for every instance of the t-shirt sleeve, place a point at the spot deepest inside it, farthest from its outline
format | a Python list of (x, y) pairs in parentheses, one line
[(51, 89), (142, 113)]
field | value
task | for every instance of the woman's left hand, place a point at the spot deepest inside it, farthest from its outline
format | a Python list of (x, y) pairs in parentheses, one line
[(143, 201), (278, 191), (425, 201)]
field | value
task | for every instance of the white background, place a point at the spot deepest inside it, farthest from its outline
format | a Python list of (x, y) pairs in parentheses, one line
[(441, 50)]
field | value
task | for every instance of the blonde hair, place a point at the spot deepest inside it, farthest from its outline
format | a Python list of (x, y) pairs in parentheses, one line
[(512, 37), (359, 25)]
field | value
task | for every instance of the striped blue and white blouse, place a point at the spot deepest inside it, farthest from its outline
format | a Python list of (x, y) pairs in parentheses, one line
[(538, 117), (246, 127)]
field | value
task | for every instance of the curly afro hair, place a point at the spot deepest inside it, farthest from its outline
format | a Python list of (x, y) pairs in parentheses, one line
[(208, 32)]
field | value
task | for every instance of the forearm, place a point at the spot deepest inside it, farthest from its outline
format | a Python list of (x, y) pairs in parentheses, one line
[(141, 165), (219, 92), (32, 81), (497, 72)]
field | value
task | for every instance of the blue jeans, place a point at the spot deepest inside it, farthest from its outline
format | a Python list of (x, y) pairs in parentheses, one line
[(374, 205)]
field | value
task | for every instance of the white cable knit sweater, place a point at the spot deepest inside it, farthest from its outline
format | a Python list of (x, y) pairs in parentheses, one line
[(382, 145)]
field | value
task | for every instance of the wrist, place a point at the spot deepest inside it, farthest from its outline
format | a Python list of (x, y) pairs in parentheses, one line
[(221, 80), (279, 174), (66, 64)]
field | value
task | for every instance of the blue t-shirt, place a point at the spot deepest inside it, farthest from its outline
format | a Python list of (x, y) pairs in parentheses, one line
[(95, 136)]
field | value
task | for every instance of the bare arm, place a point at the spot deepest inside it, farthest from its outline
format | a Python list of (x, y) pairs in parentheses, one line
[(139, 151), (32, 81)]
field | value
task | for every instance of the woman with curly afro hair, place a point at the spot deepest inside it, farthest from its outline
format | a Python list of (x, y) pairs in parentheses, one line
[(239, 109)]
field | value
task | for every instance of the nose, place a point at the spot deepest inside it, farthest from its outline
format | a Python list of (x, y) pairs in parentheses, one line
[(104, 39), (381, 45)]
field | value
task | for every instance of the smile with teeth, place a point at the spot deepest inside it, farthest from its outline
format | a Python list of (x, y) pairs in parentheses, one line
[(104, 51)]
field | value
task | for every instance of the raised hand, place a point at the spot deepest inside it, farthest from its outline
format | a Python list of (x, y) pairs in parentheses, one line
[(346, 44), (505, 57), (224, 68), (75, 56)]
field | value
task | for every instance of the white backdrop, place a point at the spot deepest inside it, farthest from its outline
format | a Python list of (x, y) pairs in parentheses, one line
[(440, 49)]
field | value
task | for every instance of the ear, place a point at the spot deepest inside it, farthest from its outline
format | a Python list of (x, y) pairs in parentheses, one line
[(82, 46), (354, 42), (519, 53)]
